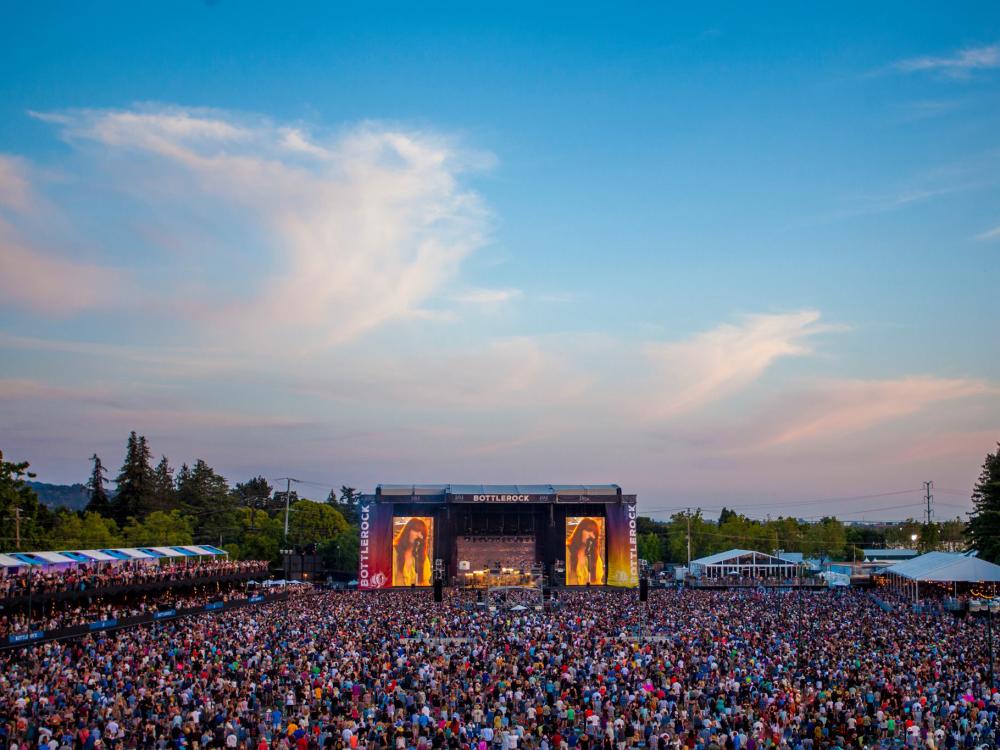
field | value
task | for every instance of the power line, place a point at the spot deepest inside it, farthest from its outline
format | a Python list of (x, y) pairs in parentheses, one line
[(784, 503)]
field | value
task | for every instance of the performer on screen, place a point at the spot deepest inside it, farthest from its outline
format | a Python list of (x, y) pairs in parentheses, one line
[(585, 558), (411, 555)]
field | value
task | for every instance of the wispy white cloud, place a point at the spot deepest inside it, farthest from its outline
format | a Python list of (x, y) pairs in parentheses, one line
[(958, 64), (989, 235), (717, 363), (357, 229), (486, 296), (835, 408)]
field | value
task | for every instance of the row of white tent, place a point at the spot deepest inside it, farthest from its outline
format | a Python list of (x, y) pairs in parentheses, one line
[(66, 558), (941, 567)]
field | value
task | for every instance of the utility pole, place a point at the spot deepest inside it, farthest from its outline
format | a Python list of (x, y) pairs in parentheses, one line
[(689, 540), (17, 528), (288, 494), (928, 486)]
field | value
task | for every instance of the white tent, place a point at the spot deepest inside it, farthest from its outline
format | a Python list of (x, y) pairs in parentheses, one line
[(6, 561), (744, 563), (167, 551), (941, 567), (95, 554), (135, 553), (948, 567)]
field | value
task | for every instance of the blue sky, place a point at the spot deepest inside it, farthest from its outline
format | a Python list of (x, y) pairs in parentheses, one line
[(728, 255)]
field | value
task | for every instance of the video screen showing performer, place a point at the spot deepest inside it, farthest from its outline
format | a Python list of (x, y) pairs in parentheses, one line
[(412, 550), (585, 551)]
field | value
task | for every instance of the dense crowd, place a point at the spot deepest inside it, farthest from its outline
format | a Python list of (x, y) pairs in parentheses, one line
[(56, 615), (126, 573), (693, 670)]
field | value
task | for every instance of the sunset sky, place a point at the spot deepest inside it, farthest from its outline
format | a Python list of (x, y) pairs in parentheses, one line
[(743, 257)]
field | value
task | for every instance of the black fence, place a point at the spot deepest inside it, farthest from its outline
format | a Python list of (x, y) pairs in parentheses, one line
[(19, 640)]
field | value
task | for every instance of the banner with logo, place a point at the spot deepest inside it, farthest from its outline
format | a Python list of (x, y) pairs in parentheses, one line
[(623, 553), (375, 553)]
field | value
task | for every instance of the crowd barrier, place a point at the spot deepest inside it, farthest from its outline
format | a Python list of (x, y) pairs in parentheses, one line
[(18, 640)]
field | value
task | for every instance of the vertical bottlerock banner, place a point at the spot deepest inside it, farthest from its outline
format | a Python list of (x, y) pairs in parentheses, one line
[(375, 553), (623, 554)]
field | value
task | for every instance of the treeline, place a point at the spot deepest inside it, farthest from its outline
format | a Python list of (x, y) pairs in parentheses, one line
[(154, 505), (827, 538)]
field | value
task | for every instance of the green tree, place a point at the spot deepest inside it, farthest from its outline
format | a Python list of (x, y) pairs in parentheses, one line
[(205, 495), (650, 547), (983, 528), (99, 502), (825, 539), (260, 535), (725, 514), (930, 537), (312, 523), (341, 552), (788, 534), (163, 495), (134, 481), (20, 512), (88, 530), (160, 529), (254, 493), (953, 534), (704, 536)]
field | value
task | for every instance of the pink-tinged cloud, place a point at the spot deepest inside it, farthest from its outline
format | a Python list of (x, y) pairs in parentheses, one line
[(841, 407), (51, 285), (15, 187), (722, 361), (23, 389), (357, 229), (972, 445)]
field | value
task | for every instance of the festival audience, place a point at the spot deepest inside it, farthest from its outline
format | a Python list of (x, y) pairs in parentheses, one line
[(97, 576), (597, 670)]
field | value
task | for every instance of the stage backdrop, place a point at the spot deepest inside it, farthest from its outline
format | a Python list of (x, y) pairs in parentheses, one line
[(585, 551), (412, 550), (623, 554), (375, 554)]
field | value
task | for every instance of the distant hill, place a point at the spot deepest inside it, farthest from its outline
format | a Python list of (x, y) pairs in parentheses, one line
[(72, 496)]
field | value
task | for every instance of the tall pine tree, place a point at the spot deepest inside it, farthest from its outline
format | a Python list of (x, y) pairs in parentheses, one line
[(23, 520), (983, 529), (134, 481), (99, 502), (163, 495), (205, 495)]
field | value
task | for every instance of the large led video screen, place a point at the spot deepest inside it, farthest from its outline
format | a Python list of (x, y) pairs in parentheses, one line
[(585, 551), (412, 550)]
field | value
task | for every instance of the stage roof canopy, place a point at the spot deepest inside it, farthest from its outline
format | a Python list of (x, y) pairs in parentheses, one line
[(552, 490)]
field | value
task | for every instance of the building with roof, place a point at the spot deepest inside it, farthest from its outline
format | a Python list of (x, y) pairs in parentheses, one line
[(878, 555), (744, 563)]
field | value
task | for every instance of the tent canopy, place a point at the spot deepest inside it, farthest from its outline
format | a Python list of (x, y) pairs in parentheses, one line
[(733, 557), (946, 567)]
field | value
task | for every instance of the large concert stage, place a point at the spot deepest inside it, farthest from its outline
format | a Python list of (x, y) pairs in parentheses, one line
[(577, 535)]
